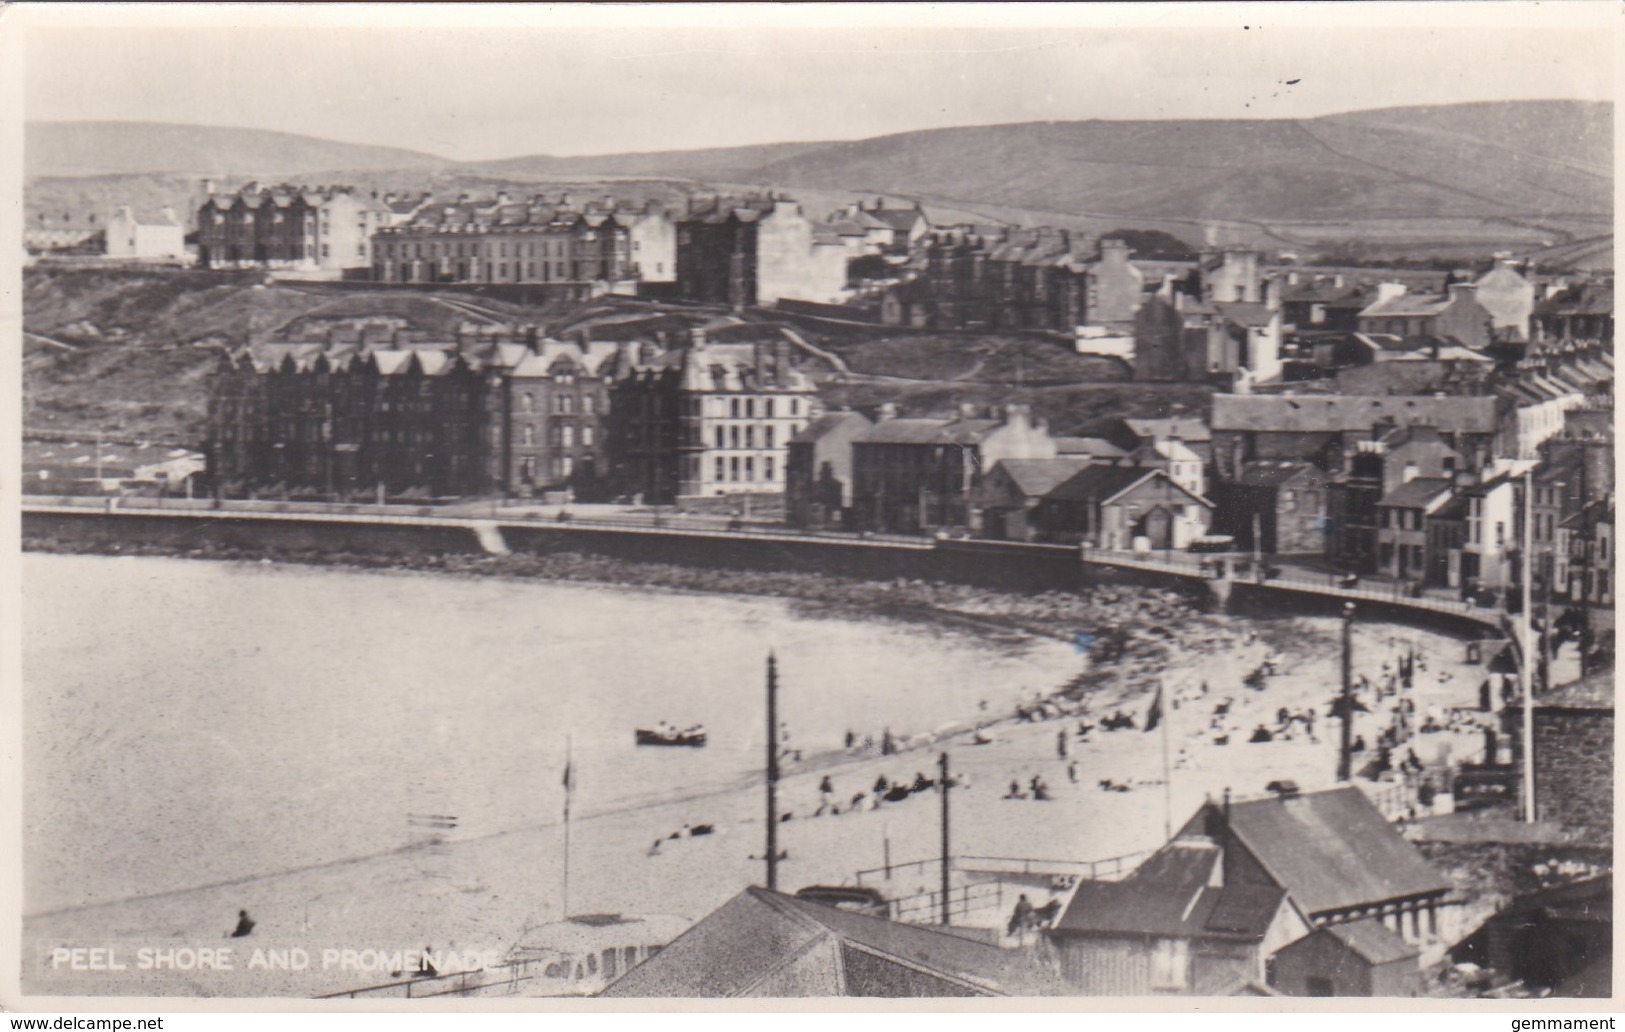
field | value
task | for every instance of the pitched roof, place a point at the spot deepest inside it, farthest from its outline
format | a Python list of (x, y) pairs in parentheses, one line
[(1170, 895), (1037, 477), (1343, 412), (767, 943), (1407, 305), (1372, 940), (1331, 850), (1417, 493), (1245, 313), (1100, 484), (1095, 446), (825, 424)]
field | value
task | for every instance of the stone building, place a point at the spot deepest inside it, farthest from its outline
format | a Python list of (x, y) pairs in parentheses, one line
[(289, 227), (818, 470), (919, 474), (754, 251), (1455, 315), (484, 415), (1574, 754), (707, 419), (535, 241)]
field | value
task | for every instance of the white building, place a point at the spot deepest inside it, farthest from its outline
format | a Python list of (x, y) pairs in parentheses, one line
[(160, 236)]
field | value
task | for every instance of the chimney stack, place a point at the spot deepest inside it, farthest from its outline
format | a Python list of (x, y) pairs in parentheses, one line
[(1388, 291), (887, 411)]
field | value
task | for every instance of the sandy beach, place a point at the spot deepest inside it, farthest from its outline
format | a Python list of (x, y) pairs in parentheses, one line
[(480, 893)]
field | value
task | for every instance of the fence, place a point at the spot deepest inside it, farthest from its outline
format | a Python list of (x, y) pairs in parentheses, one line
[(1109, 869)]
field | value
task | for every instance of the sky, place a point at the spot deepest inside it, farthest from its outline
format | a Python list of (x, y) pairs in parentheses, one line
[(481, 82)]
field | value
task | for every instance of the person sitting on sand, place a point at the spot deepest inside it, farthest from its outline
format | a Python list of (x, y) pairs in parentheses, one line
[(1261, 734), (1015, 790), (245, 925)]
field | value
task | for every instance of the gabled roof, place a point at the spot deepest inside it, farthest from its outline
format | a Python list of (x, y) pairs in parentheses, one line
[(1100, 484), (1330, 850), (1097, 447), (1417, 493), (1372, 940), (1186, 429), (1170, 895), (763, 943), (827, 424), (1407, 305), (1037, 477)]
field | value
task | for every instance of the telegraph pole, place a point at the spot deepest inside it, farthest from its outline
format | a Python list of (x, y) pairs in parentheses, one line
[(772, 773), (1345, 752), (946, 784)]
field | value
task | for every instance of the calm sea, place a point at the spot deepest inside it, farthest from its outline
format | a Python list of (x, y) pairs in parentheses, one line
[(188, 722)]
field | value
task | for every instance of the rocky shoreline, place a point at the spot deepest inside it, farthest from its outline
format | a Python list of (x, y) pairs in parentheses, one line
[(1134, 631)]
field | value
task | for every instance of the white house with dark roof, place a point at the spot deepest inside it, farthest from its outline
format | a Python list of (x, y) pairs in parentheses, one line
[(154, 235)]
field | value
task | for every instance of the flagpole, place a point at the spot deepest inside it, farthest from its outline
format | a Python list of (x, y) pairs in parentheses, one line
[(569, 790)]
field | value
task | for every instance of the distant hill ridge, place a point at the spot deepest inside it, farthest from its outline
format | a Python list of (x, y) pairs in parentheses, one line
[(1513, 159)]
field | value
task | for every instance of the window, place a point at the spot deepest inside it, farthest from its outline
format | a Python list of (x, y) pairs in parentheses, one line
[(767, 437), (722, 437), (526, 400), (733, 408), (1170, 964), (722, 467), (750, 408), (529, 435), (588, 404), (569, 404), (586, 436), (1500, 533), (750, 437), (733, 436), (569, 437), (749, 473), (767, 468), (767, 408), (795, 407), (567, 466), (733, 468)]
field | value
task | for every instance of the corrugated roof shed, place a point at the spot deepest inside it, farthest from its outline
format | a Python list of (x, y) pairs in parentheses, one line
[(1332, 850), (1373, 940)]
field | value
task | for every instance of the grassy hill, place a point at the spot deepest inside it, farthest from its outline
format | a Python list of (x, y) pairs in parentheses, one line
[(123, 148), (1465, 178), (130, 353)]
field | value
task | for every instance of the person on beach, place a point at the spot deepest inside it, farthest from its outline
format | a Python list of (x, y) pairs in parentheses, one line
[(1060, 744), (245, 925), (1072, 772), (1015, 790)]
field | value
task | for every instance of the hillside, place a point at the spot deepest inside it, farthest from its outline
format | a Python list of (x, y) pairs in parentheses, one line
[(124, 148), (1523, 157), (130, 353)]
